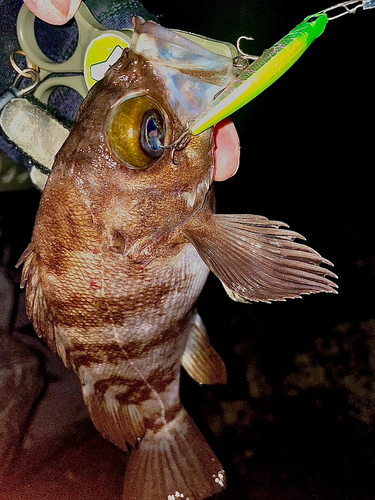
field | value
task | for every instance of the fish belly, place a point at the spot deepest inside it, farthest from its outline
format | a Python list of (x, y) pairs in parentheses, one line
[(128, 357)]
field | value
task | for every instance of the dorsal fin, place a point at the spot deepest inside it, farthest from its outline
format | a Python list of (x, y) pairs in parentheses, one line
[(36, 304)]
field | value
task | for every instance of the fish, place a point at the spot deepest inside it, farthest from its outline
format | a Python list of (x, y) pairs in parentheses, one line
[(124, 239)]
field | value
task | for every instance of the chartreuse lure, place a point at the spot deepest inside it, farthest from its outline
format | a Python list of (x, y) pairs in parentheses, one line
[(267, 68)]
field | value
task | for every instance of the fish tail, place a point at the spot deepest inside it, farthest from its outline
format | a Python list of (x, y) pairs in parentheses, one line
[(174, 463)]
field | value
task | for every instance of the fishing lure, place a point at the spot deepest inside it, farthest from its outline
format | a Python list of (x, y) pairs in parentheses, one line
[(267, 68)]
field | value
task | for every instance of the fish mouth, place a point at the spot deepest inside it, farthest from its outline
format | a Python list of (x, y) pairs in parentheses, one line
[(192, 74)]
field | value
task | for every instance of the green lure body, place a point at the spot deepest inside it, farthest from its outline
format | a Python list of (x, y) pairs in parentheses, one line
[(272, 64)]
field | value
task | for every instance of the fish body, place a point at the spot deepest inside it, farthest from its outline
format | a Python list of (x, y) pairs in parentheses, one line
[(122, 245)]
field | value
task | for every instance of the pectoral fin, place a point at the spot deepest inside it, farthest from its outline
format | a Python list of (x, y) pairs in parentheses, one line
[(257, 259), (200, 359)]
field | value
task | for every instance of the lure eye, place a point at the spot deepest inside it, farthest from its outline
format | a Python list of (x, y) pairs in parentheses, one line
[(135, 132)]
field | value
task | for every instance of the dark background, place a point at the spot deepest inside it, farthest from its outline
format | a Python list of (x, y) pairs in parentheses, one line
[(296, 420)]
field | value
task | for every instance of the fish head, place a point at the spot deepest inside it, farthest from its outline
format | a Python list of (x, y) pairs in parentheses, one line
[(118, 150)]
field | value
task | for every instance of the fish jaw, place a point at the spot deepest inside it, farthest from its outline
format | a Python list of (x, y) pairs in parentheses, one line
[(192, 74)]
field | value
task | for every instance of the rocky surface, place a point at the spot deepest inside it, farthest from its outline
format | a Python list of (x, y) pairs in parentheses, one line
[(21, 384), (41, 406)]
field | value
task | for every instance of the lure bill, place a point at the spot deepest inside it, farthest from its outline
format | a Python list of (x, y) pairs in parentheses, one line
[(270, 66)]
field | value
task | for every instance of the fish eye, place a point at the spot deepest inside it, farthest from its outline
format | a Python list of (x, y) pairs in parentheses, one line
[(135, 132)]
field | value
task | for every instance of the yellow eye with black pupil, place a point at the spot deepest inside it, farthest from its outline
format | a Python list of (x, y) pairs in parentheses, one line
[(135, 132)]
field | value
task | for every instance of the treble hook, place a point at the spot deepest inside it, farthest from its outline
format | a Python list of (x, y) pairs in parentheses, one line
[(243, 54), (242, 60), (180, 143)]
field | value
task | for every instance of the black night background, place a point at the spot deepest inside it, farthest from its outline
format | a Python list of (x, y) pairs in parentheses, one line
[(296, 419)]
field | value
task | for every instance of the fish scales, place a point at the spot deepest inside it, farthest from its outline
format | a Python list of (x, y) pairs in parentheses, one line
[(122, 245)]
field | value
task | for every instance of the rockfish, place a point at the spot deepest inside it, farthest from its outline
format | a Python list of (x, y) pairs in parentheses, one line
[(124, 239)]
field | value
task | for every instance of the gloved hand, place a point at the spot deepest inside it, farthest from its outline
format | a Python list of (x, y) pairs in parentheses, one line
[(227, 150)]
